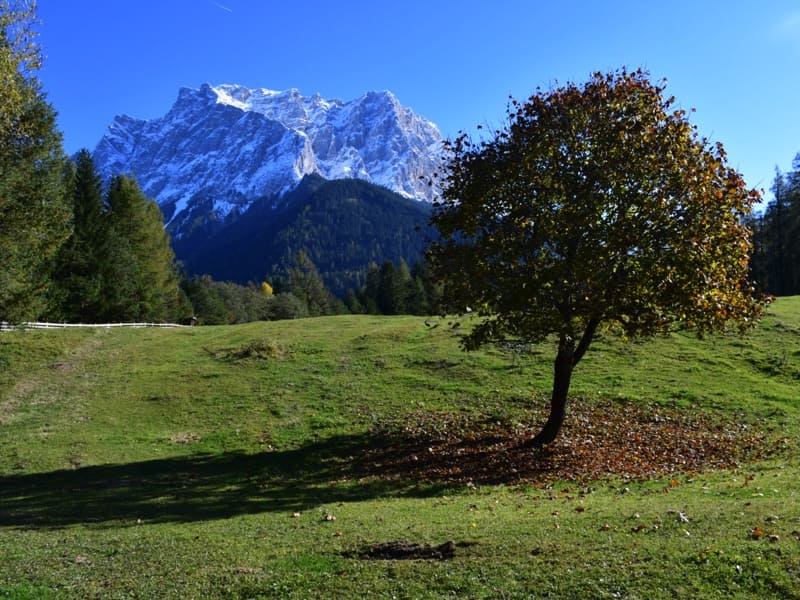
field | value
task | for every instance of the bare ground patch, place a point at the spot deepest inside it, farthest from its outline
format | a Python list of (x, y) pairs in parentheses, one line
[(404, 550)]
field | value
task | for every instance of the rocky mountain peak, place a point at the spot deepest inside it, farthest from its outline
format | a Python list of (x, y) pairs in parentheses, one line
[(219, 148)]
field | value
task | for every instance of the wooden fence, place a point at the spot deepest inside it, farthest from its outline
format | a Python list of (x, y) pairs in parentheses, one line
[(33, 325)]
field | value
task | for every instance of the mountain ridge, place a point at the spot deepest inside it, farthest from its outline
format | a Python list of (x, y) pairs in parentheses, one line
[(220, 148)]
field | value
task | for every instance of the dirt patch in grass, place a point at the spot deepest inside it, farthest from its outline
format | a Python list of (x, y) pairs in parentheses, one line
[(184, 438), (402, 550), (607, 439)]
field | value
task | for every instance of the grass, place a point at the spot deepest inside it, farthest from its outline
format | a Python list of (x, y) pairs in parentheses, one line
[(217, 462)]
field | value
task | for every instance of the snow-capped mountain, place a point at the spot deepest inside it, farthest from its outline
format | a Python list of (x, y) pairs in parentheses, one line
[(219, 148)]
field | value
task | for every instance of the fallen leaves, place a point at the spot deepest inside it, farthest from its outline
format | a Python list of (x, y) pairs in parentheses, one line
[(756, 533), (606, 439)]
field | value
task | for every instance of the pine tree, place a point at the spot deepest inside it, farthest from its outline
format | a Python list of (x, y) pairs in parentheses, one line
[(369, 294), (306, 284), (34, 208), (793, 229), (78, 278), (775, 264), (389, 300), (141, 282)]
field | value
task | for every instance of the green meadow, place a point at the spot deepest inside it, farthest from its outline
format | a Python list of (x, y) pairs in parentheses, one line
[(326, 458)]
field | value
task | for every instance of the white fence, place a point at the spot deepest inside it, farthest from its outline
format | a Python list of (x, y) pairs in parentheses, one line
[(12, 327)]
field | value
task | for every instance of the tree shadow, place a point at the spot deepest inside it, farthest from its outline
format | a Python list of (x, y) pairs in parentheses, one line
[(422, 455), (204, 487)]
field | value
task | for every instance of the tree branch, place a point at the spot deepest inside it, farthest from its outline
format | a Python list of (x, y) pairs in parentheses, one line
[(586, 339)]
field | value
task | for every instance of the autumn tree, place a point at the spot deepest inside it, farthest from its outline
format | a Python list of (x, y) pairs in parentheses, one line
[(34, 208), (596, 206)]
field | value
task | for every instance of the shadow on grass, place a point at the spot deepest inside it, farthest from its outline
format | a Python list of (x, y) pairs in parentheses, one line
[(201, 487), (421, 455)]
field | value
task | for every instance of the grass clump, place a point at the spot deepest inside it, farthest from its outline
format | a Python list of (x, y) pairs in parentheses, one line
[(254, 350)]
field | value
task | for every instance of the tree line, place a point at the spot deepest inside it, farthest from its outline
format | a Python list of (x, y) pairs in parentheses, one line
[(775, 263), (301, 292), (117, 264)]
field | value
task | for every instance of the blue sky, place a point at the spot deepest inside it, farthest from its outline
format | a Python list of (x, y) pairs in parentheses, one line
[(454, 62)]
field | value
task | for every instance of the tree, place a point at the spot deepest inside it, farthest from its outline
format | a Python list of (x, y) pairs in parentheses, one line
[(78, 280), (141, 280), (389, 299), (597, 205), (205, 299), (776, 235), (369, 294), (306, 284), (34, 208)]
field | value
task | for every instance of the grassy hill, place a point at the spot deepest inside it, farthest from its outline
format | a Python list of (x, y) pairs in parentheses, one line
[(278, 460)]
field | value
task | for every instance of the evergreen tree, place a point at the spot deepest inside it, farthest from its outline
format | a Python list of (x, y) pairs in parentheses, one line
[(431, 287), (306, 284), (775, 264), (369, 294), (141, 280), (777, 244), (352, 303), (417, 300), (78, 278), (389, 300), (394, 290), (792, 233), (34, 208)]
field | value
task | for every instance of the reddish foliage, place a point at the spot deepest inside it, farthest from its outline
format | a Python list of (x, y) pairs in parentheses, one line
[(598, 440)]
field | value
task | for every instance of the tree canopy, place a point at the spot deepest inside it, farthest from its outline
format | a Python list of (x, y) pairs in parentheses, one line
[(598, 204), (34, 208)]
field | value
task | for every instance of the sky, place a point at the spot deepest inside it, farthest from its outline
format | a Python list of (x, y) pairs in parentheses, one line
[(456, 63)]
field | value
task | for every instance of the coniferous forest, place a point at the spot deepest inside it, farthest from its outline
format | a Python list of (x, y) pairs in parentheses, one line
[(775, 264)]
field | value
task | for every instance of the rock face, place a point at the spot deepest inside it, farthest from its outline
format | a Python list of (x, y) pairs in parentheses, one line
[(220, 148)]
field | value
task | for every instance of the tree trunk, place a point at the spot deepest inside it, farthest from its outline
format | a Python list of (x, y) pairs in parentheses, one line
[(565, 362)]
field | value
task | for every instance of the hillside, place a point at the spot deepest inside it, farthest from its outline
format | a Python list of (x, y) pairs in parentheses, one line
[(258, 460), (342, 225)]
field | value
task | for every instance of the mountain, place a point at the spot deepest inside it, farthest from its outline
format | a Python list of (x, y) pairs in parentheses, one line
[(343, 226), (220, 149)]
